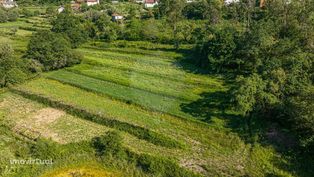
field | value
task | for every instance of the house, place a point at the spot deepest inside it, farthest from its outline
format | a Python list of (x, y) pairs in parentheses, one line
[(92, 2), (116, 17), (60, 9), (75, 6), (8, 3), (262, 3), (231, 1), (259, 3), (140, 1), (150, 3)]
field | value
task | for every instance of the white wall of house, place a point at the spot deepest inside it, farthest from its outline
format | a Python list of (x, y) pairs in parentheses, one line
[(92, 3), (118, 17), (8, 4), (60, 9), (151, 5)]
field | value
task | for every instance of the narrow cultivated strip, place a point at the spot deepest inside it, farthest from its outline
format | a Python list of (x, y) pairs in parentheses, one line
[(140, 132), (167, 73), (129, 95), (180, 91)]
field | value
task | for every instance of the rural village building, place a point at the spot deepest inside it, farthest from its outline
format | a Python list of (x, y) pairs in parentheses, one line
[(92, 2), (76, 5), (150, 3), (60, 9), (8, 3), (260, 3), (116, 17)]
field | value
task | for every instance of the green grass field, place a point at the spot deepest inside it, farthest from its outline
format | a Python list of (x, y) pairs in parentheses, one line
[(160, 105), (155, 94)]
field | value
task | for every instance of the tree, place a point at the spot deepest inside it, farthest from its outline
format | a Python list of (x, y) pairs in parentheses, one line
[(3, 16), (133, 29), (195, 10), (52, 50), (173, 10), (69, 24), (10, 67), (300, 110), (218, 51), (12, 15)]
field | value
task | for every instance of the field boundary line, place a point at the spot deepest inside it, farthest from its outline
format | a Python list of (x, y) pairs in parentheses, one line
[(133, 87), (132, 103), (135, 130)]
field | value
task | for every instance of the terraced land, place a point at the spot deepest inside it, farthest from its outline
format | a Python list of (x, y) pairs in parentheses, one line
[(160, 107)]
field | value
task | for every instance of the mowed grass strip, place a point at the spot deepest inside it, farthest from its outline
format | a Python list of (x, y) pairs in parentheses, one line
[(102, 119), (129, 95), (127, 57), (131, 50), (157, 85), (169, 72)]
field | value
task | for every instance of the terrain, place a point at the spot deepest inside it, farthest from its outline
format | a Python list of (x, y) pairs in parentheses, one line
[(161, 104)]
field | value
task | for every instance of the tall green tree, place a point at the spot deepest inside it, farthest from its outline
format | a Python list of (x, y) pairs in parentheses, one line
[(10, 67), (70, 25), (52, 50)]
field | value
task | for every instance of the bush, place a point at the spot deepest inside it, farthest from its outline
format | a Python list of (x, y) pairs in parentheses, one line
[(27, 13), (46, 149), (109, 145), (161, 166)]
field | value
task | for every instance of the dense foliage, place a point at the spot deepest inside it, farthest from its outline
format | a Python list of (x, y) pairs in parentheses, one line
[(52, 51), (272, 55), (12, 70), (8, 15)]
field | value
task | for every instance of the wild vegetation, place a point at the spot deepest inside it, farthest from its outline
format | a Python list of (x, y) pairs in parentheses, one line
[(182, 89)]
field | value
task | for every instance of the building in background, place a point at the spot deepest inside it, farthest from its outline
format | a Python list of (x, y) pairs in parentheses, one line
[(150, 3), (8, 4)]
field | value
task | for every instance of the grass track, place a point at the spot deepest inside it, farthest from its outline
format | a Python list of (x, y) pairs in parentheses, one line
[(129, 95)]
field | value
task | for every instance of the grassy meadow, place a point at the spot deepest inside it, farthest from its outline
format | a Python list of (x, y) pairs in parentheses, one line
[(161, 105)]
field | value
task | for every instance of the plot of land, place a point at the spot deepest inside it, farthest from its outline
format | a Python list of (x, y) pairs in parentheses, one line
[(150, 92)]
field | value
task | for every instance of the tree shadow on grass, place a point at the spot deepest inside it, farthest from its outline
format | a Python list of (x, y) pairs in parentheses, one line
[(216, 105)]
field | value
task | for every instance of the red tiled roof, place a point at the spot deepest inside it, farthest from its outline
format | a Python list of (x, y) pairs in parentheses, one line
[(115, 14), (150, 1)]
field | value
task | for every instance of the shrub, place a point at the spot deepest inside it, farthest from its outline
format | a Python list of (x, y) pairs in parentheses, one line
[(109, 144), (161, 166), (46, 149)]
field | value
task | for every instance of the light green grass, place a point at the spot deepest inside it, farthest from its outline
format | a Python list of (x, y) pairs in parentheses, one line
[(142, 98), (170, 71), (215, 149), (144, 82)]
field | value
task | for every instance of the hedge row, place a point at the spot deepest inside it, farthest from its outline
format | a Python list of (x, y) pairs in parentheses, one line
[(137, 131)]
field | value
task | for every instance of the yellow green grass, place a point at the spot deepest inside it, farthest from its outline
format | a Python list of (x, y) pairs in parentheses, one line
[(207, 147)]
